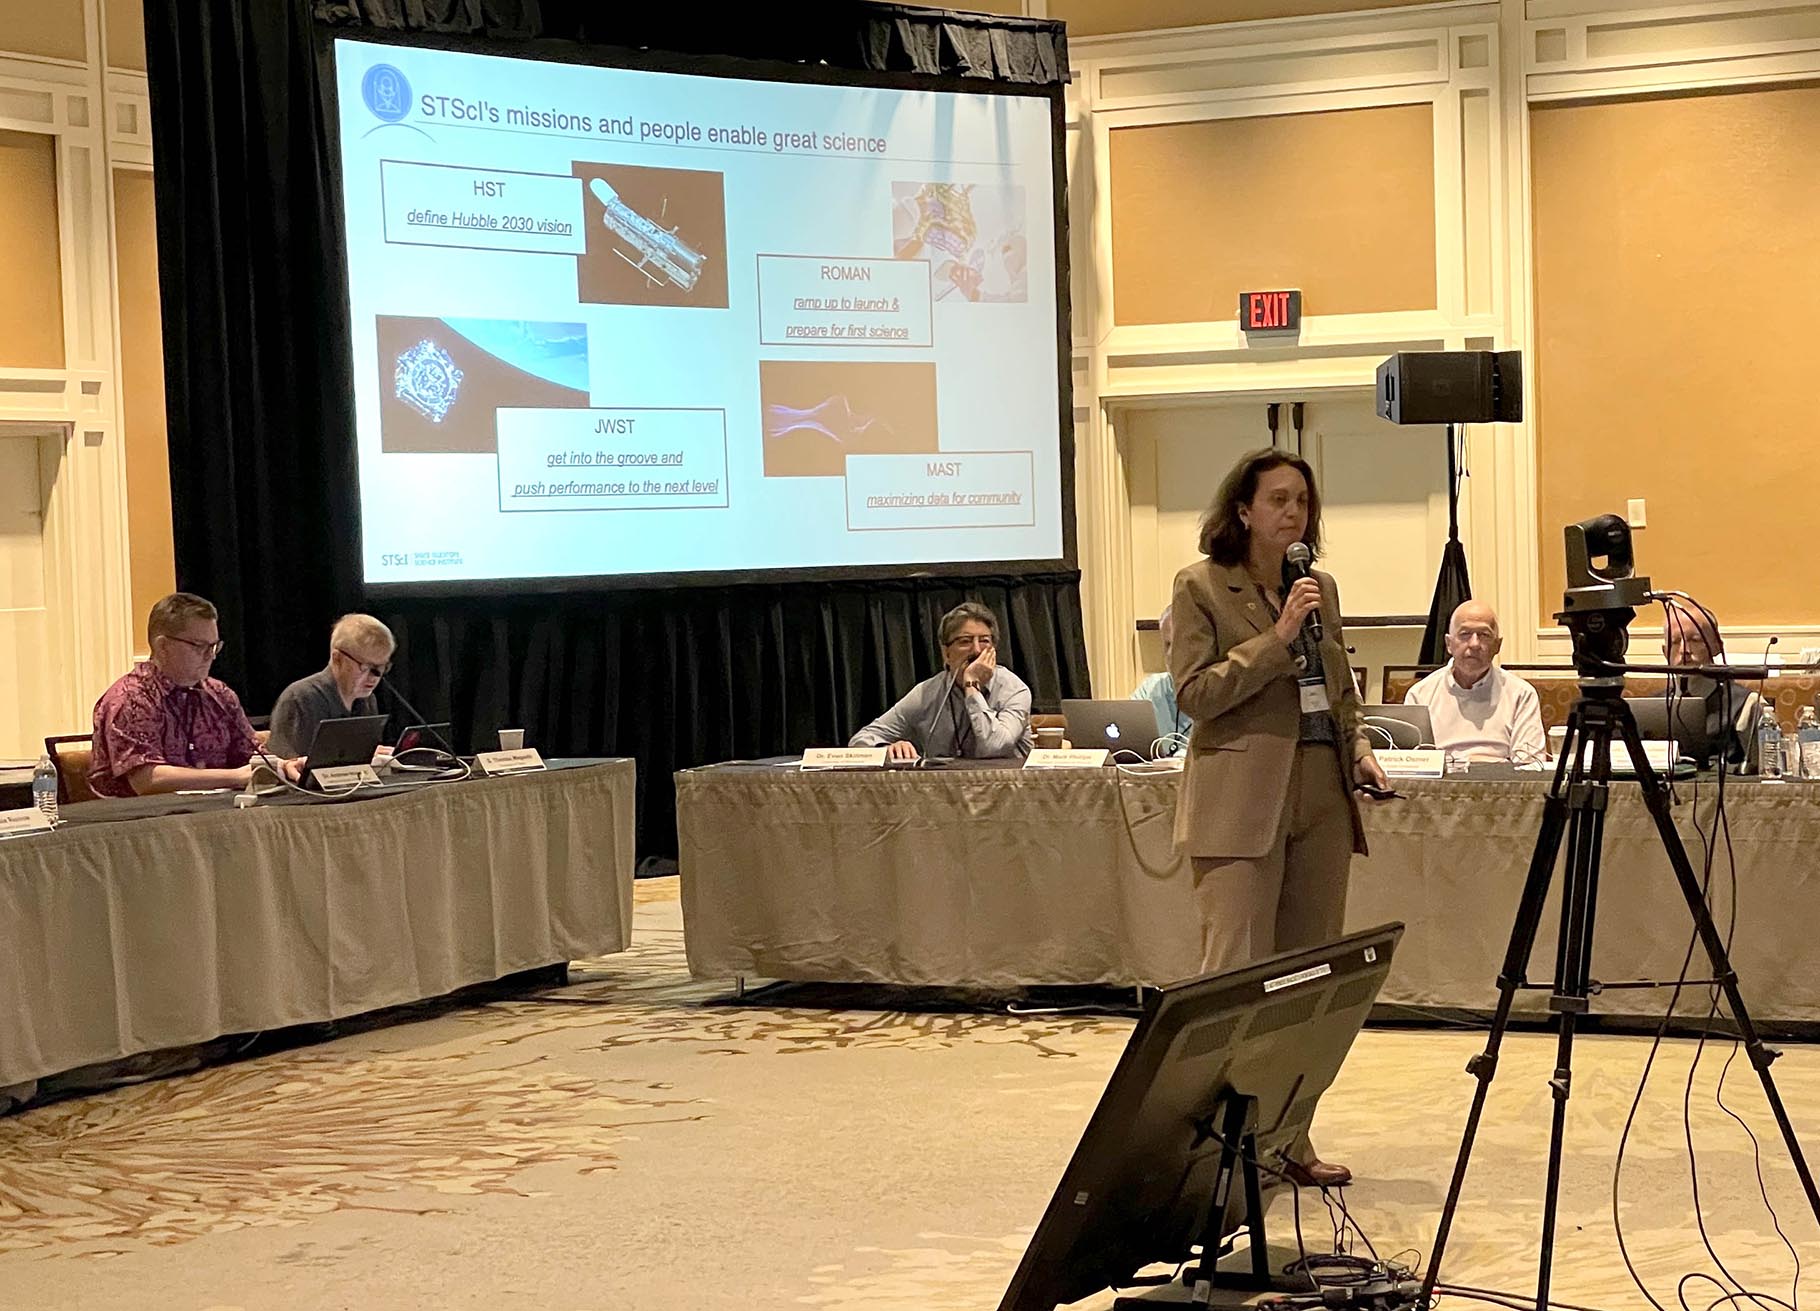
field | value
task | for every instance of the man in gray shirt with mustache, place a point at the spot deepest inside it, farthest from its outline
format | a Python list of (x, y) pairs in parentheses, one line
[(972, 709)]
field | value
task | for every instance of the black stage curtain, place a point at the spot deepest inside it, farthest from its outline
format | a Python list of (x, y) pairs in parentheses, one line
[(839, 33), (258, 385), (684, 677), (1453, 584), (1453, 588)]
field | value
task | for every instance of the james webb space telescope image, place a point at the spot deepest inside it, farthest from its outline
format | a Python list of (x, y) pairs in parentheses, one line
[(442, 380)]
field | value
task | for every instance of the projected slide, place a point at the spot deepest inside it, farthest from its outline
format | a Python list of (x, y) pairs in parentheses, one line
[(613, 322)]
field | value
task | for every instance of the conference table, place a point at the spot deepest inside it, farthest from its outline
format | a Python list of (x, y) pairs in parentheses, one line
[(999, 877), (161, 922)]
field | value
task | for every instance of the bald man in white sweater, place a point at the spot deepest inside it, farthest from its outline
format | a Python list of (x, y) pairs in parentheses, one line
[(1480, 712)]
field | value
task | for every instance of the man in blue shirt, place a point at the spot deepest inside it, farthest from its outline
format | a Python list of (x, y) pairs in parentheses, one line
[(1159, 690)]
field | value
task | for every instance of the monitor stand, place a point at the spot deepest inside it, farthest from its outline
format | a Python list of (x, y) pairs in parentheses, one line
[(1233, 1122)]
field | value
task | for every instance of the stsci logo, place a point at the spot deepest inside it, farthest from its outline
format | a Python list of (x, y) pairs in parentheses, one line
[(386, 92)]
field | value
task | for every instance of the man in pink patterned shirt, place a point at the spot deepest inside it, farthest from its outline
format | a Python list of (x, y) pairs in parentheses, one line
[(167, 725)]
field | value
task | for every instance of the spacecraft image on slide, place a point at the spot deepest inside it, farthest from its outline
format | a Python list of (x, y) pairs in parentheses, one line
[(427, 380), (442, 380), (659, 247), (972, 236)]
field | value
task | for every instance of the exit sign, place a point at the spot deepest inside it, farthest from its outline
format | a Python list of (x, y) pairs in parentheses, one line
[(1270, 311)]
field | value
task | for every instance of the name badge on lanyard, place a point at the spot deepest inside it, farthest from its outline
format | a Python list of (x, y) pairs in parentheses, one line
[(1310, 683)]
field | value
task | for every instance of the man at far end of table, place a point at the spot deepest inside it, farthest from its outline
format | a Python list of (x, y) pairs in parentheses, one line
[(167, 726), (972, 709), (1480, 712)]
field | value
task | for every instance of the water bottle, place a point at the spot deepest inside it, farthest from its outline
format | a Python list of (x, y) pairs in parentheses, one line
[(1807, 743), (1769, 745), (44, 786)]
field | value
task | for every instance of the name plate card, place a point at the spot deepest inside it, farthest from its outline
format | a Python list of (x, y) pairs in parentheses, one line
[(335, 778), (1660, 753), (1070, 758), (17, 823), (1413, 764), (844, 758), (525, 760)]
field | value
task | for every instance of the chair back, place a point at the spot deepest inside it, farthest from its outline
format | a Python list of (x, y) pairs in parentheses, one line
[(70, 754), (1398, 679), (1787, 694)]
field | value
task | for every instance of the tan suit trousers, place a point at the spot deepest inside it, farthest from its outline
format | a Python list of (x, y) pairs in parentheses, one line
[(1294, 895)]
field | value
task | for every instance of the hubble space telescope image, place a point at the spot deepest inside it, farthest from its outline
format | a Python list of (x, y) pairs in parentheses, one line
[(659, 248), (656, 236)]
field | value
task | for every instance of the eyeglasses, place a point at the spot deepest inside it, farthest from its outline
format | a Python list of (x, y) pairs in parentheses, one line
[(376, 671), (208, 650), (980, 639)]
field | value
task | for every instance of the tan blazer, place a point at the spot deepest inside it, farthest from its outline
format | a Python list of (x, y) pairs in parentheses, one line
[(1237, 680)]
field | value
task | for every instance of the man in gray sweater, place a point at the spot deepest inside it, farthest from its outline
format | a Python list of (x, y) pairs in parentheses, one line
[(972, 709), (360, 654)]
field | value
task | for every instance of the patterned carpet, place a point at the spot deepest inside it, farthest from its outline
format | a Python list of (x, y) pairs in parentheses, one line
[(635, 1142)]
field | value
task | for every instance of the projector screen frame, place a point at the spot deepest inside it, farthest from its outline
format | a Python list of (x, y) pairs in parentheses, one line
[(335, 269)]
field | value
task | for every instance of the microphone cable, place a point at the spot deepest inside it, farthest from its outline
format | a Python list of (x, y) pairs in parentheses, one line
[(1721, 826), (276, 767), (1119, 774)]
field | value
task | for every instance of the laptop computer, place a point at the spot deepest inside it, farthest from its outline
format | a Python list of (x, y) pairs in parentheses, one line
[(1400, 727), (349, 741), (431, 736), (1692, 740), (1114, 725)]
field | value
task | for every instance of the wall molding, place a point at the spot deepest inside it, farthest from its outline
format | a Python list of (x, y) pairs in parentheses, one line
[(1583, 49), (1482, 64), (76, 411), (1451, 56), (1587, 50)]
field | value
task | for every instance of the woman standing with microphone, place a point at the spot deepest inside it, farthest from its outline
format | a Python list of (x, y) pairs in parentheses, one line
[(1266, 811)]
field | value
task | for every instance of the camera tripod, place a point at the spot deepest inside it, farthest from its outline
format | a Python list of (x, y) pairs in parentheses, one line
[(1575, 809)]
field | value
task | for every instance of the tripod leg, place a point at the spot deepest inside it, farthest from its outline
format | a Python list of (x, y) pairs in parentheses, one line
[(1513, 975), (1573, 970), (1656, 797)]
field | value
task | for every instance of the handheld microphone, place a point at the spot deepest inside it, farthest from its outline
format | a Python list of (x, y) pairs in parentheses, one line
[(418, 715), (1295, 566)]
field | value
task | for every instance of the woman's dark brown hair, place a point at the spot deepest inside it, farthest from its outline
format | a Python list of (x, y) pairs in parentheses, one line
[(1224, 536)]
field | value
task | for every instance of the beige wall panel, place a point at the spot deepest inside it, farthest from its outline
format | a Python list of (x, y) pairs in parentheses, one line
[(148, 475), (21, 523), (1107, 17), (1384, 501), (1676, 279), (31, 292), (1339, 204), (124, 21), (52, 28), (28, 681)]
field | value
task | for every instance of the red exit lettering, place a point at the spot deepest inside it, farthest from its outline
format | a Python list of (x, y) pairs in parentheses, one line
[(1266, 311)]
